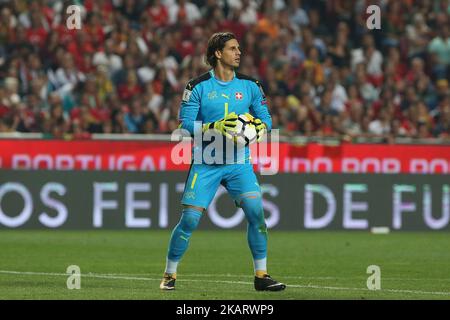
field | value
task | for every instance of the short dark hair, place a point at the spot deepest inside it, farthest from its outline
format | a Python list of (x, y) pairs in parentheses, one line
[(217, 42)]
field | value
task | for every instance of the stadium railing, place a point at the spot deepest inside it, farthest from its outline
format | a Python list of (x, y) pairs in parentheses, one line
[(289, 139)]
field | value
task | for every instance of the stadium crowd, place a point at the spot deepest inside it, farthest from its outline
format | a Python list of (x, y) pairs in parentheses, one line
[(323, 71)]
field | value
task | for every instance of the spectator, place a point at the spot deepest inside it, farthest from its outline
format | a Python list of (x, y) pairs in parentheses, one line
[(158, 14), (183, 11), (381, 126), (323, 72), (298, 17), (134, 118), (248, 11), (108, 58), (439, 48), (442, 128), (130, 88), (417, 34)]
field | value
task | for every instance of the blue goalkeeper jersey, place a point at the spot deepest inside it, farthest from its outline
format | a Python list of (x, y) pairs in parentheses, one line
[(207, 99)]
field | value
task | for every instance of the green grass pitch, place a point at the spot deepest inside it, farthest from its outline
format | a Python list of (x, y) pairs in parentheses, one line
[(218, 265)]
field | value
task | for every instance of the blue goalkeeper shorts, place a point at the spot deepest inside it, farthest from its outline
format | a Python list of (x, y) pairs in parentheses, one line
[(203, 181)]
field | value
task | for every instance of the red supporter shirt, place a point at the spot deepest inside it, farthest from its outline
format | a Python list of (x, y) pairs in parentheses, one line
[(126, 92), (37, 36), (159, 15)]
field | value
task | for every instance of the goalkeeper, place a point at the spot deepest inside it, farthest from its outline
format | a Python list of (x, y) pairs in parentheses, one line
[(216, 98)]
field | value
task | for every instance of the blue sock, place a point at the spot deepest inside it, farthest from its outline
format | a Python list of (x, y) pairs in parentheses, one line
[(179, 241), (256, 229)]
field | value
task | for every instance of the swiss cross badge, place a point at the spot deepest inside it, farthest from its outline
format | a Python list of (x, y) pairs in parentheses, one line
[(239, 96)]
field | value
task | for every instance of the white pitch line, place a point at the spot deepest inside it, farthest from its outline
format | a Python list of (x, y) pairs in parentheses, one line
[(106, 276), (302, 277), (229, 275)]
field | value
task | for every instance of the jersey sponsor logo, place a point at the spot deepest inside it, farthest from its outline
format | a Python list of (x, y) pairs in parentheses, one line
[(225, 96), (212, 95), (186, 95), (239, 95)]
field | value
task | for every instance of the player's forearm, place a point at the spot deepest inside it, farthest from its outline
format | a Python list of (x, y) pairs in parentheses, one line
[(263, 114), (188, 125), (268, 122)]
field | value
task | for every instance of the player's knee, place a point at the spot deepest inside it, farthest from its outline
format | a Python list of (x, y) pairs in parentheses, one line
[(253, 209), (190, 219)]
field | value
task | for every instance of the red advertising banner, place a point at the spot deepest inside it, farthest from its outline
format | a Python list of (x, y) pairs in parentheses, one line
[(165, 156)]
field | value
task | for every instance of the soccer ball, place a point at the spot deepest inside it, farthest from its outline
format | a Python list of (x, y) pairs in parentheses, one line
[(245, 131)]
